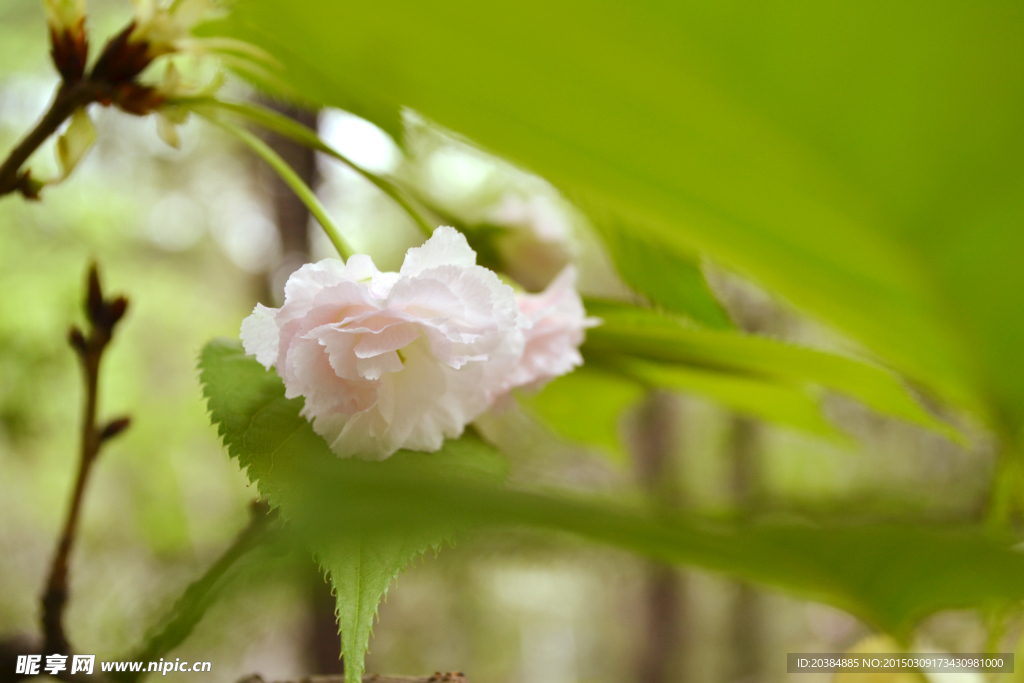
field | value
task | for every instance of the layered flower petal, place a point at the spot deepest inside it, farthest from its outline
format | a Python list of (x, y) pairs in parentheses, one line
[(392, 360), (553, 332)]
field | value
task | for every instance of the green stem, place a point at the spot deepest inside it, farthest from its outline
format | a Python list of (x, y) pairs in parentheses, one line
[(289, 128), (190, 608), (1007, 484), (293, 181)]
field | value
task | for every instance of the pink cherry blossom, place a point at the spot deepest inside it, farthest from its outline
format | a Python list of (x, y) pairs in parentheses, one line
[(392, 360), (553, 329)]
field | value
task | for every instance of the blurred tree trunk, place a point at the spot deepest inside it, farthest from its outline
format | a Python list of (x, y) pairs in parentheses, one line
[(323, 645), (754, 312), (290, 214), (653, 442), (745, 664)]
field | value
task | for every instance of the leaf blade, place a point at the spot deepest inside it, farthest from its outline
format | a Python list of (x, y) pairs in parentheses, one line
[(890, 575), (644, 334)]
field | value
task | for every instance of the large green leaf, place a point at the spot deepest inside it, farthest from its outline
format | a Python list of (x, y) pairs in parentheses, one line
[(585, 406), (891, 576), (781, 403), (665, 279), (865, 160), (629, 331), (282, 454)]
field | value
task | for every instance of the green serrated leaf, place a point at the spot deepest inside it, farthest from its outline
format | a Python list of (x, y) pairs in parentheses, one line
[(297, 473), (361, 569), (673, 283)]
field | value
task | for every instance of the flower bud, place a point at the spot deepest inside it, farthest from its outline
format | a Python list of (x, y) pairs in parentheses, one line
[(74, 142), (115, 427), (77, 340), (70, 47), (116, 310), (95, 306), (64, 15)]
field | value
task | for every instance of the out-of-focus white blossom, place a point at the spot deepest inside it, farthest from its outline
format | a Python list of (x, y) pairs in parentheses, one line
[(539, 246), (392, 360), (64, 15), (172, 87), (166, 26)]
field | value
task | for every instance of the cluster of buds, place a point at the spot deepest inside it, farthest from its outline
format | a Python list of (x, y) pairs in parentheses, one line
[(103, 315), (159, 28)]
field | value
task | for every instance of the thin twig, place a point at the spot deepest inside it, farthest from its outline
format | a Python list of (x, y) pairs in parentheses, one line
[(192, 605), (65, 102), (111, 82), (103, 315)]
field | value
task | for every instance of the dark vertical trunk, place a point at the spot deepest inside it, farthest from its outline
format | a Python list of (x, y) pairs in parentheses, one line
[(654, 441), (323, 645), (290, 214), (745, 661), (323, 648)]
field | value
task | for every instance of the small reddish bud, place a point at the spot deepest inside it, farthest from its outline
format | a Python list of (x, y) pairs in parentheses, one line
[(122, 59), (116, 310), (115, 427), (77, 340), (94, 304), (70, 46), (29, 186), (70, 52)]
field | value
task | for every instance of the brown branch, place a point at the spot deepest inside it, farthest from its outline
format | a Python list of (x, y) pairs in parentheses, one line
[(103, 315), (653, 441), (112, 81), (65, 102), (438, 677)]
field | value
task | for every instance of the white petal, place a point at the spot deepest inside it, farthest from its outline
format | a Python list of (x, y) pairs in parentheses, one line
[(553, 330), (447, 246), (338, 345), (357, 435), (313, 377), (306, 282), (349, 341), (426, 298), (382, 283), (167, 131), (260, 335), (360, 267), (389, 339), (376, 366), (75, 141)]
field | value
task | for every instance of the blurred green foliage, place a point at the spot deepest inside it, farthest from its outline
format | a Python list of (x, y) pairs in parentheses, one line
[(346, 507), (864, 161)]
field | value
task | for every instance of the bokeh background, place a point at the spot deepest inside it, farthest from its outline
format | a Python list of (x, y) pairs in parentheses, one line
[(195, 237)]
